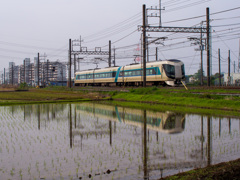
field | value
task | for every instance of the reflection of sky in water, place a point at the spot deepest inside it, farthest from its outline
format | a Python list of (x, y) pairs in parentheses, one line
[(46, 141)]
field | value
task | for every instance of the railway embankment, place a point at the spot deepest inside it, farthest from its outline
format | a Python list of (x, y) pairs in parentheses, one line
[(204, 101), (219, 101)]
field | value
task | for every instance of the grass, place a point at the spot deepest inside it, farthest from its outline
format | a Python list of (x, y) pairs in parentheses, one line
[(199, 100), (178, 99), (227, 170), (35, 96)]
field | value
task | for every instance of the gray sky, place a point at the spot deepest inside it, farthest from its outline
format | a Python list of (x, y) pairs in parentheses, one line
[(32, 26)]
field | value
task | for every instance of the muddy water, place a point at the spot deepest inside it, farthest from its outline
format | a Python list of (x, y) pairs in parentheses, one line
[(96, 141)]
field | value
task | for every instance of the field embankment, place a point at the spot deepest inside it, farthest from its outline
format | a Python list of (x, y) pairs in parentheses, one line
[(34, 96), (222, 171), (196, 100), (214, 101)]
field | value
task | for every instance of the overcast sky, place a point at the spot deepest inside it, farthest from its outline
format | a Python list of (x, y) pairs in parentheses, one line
[(32, 26)]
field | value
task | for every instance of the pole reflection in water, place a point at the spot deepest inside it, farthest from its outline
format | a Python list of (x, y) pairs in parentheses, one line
[(209, 140), (220, 127), (202, 137), (38, 115), (110, 142), (70, 124), (229, 121), (145, 153), (110, 133)]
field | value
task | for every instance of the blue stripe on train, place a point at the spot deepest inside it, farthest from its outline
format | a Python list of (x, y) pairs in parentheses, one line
[(118, 71)]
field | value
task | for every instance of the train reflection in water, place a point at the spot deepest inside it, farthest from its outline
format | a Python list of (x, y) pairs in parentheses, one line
[(167, 122)]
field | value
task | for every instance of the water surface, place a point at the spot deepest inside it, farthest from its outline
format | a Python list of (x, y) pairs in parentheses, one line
[(97, 141)]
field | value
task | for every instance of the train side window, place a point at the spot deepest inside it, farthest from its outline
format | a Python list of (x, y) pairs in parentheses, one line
[(121, 74), (126, 73), (134, 73), (89, 76), (96, 75), (113, 74), (83, 77), (147, 72)]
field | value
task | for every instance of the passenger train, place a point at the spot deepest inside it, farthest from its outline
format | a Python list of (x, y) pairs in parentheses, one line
[(169, 72), (166, 122)]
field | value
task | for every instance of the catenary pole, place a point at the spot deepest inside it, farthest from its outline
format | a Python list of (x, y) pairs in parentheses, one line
[(229, 61), (219, 66), (144, 45), (38, 64), (70, 62), (208, 47), (109, 59)]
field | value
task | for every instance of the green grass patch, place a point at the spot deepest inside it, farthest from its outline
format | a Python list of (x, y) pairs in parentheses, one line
[(204, 100), (222, 171)]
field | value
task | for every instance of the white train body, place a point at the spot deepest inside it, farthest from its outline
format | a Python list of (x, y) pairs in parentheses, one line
[(170, 72)]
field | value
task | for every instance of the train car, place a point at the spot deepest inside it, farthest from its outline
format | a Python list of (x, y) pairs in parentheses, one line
[(166, 122), (169, 72)]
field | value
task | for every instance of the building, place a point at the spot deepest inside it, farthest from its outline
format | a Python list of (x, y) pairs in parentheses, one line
[(30, 73), (56, 72), (27, 70), (13, 73), (234, 79)]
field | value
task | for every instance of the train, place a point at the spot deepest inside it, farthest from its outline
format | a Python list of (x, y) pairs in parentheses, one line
[(166, 122), (169, 72)]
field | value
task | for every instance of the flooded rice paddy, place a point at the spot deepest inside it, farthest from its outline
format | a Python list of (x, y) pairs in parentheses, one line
[(97, 141)]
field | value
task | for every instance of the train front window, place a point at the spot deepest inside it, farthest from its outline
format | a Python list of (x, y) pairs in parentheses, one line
[(170, 122), (169, 70), (183, 70)]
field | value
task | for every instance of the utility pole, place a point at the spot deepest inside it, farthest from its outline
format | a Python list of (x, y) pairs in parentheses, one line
[(156, 53), (4, 76), (144, 45), (114, 57), (74, 64), (38, 67), (70, 62), (160, 13), (201, 48), (208, 46), (229, 60), (109, 59), (47, 70), (219, 67)]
